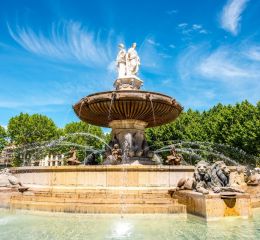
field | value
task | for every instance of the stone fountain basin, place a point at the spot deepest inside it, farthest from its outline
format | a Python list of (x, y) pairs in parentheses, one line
[(151, 107)]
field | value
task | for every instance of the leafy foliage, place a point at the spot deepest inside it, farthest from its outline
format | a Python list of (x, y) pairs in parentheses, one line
[(26, 129), (3, 136), (237, 126), (91, 140)]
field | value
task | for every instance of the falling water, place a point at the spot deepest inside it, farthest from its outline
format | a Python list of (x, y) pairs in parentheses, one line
[(81, 105), (154, 121), (125, 158), (113, 95), (39, 150), (206, 151)]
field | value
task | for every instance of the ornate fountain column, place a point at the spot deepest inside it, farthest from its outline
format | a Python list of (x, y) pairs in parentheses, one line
[(130, 136)]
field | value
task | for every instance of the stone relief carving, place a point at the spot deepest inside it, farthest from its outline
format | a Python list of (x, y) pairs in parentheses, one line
[(115, 157), (174, 158), (7, 179), (206, 179)]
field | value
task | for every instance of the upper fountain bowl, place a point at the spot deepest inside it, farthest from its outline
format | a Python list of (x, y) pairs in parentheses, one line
[(153, 108)]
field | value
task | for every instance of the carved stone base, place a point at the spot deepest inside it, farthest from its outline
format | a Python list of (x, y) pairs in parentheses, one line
[(214, 206), (128, 83), (129, 134)]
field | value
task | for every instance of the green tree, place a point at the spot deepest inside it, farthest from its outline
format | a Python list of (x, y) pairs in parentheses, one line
[(3, 140), (26, 129), (237, 126), (84, 137)]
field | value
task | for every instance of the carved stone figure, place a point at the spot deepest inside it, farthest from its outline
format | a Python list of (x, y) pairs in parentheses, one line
[(174, 158), (237, 178), (73, 160), (253, 178), (115, 157), (121, 61), (133, 143), (91, 159), (205, 179), (127, 66), (7, 179), (117, 153), (201, 181), (220, 175), (132, 61), (202, 177)]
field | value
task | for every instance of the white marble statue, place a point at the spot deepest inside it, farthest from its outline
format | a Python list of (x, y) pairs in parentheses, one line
[(121, 61), (132, 61), (127, 62)]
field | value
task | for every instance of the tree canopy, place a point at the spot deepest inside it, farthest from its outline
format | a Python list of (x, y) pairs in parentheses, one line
[(3, 136), (237, 126), (90, 133), (26, 129)]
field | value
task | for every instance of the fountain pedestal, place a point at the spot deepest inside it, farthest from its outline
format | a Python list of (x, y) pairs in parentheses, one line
[(128, 83), (129, 134)]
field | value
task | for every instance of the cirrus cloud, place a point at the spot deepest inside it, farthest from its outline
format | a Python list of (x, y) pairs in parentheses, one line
[(231, 15), (67, 41)]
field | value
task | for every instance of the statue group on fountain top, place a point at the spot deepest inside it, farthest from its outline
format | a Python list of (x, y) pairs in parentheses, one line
[(127, 62)]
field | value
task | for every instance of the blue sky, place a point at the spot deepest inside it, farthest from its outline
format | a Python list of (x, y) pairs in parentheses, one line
[(53, 53)]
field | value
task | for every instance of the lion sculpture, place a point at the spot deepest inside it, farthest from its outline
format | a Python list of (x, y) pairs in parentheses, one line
[(201, 181), (205, 179)]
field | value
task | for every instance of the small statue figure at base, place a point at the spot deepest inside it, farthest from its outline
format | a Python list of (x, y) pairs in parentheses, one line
[(91, 159), (73, 160), (253, 178), (237, 178), (115, 157), (8, 180), (117, 153), (174, 158)]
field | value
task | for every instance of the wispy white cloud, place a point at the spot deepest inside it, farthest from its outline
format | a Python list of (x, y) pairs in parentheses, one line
[(187, 29), (171, 12), (151, 41), (253, 53), (225, 64), (67, 41), (182, 25), (225, 71), (231, 15), (150, 54), (15, 104), (196, 26)]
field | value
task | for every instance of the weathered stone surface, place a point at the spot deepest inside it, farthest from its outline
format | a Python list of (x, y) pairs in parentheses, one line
[(115, 200), (212, 206), (102, 108), (105, 176), (215, 178)]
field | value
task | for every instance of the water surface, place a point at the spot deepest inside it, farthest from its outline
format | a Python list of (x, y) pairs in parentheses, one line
[(38, 226)]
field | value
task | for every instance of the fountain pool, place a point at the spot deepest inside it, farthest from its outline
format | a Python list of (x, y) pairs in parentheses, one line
[(27, 226)]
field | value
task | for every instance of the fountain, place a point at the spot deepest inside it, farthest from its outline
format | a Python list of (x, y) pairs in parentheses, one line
[(129, 179), (128, 110)]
